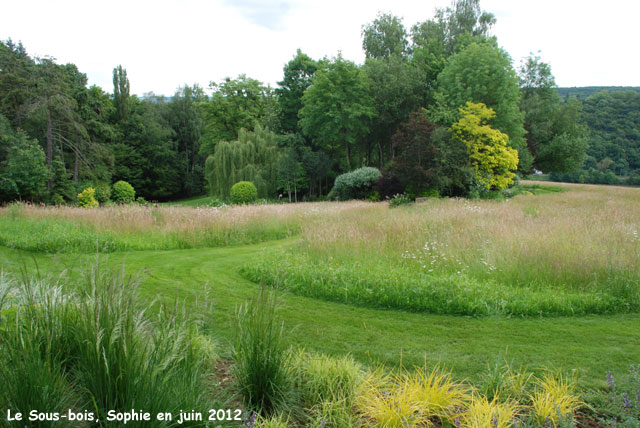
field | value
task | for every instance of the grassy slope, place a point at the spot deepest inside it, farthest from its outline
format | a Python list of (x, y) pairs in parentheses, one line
[(592, 345)]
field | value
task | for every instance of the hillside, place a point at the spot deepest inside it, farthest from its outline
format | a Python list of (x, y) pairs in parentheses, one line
[(583, 92)]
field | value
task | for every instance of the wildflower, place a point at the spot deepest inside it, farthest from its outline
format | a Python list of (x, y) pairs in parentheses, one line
[(252, 420), (457, 422), (610, 381), (627, 403)]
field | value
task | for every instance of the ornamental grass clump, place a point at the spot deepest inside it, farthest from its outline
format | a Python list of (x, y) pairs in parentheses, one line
[(482, 413), (328, 387), (555, 399), (261, 362), (97, 350), (413, 399), (438, 396)]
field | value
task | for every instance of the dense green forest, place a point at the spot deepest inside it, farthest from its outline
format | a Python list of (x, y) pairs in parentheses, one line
[(585, 92), (422, 110)]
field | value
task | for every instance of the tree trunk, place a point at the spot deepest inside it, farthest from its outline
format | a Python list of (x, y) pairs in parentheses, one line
[(49, 147), (346, 146), (289, 190), (49, 140), (76, 161)]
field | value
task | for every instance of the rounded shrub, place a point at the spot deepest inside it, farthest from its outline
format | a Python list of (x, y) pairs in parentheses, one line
[(103, 193), (86, 198), (355, 184), (123, 193), (243, 192)]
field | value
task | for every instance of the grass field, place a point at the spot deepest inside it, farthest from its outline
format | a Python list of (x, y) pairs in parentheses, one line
[(562, 254), (549, 281)]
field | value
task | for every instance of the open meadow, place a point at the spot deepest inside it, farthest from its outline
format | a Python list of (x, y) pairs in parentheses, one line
[(484, 289)]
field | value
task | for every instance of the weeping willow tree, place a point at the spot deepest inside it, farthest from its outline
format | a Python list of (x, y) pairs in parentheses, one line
[(253, 157)]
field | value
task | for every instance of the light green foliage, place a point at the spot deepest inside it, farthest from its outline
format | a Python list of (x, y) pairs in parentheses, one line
[(123, 192), (86, 198), (411, 399), (355, 184), (482, 73), (243, 192), (24, 173), (324, 378), (276, 421), (482, 413), (337, 108), (236, 104), (252, 157), (554, 399), (328, 387), (493, 161)]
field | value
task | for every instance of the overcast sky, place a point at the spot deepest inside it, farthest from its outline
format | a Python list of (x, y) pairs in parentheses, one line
[(164, 44)]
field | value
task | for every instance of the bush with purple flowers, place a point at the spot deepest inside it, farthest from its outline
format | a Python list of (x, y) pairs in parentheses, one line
[(618, 405)]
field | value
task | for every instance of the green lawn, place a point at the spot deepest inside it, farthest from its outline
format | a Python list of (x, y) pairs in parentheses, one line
[(194, 201), (591, 345)]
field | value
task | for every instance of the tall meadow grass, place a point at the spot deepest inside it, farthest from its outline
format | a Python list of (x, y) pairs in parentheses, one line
[(570, 253), (134, 227), (97, 350)]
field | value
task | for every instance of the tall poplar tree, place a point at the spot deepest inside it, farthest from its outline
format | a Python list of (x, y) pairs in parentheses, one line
[(121, 92)]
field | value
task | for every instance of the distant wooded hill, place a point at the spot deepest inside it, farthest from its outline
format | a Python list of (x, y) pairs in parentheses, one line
[(584, 92)]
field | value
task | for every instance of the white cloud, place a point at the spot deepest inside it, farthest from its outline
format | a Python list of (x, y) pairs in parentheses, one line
[(167, 43)]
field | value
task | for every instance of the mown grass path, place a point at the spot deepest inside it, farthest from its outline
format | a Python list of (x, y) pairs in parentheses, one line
[(591, 345)]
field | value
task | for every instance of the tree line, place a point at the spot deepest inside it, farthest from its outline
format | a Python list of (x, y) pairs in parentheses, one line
[(399, 112)]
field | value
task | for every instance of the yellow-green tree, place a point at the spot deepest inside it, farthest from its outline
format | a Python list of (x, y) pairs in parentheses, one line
[(493, 160)]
